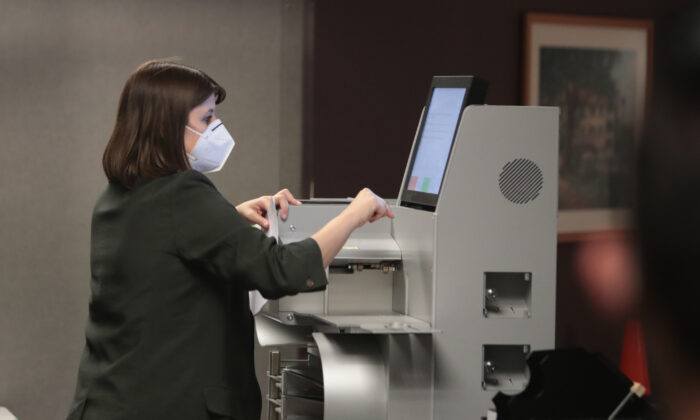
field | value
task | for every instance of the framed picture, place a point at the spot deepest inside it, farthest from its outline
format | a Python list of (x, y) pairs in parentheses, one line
[(598, 72)]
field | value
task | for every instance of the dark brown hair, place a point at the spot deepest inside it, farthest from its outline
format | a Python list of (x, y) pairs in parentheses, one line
[(148, 137)]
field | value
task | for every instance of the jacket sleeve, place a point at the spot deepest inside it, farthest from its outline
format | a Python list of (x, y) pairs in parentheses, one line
[(210, 233)]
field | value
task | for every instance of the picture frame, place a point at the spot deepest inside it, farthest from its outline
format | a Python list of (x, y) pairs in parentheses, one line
[(598, 71)]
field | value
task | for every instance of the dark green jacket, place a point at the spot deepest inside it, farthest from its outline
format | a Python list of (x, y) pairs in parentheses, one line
[(170, 333)]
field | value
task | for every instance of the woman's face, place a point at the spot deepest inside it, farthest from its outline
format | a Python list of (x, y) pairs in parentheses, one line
[(199, 119)]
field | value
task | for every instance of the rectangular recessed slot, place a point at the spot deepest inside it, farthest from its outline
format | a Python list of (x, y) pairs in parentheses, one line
[(362, 292), (507, 294), (299, 383), (505, 367)]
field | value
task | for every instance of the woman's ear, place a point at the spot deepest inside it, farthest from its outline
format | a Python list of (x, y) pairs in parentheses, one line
[(609, 275)]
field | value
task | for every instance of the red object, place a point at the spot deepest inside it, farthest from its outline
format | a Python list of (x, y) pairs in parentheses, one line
[(633, 360)]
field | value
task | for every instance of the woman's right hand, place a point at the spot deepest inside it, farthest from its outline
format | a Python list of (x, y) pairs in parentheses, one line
[(368, 207)]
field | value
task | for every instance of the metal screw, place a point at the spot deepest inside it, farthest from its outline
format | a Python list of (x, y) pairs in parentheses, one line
[(292, 228), (490, 294), (489, 367), (290, 317)]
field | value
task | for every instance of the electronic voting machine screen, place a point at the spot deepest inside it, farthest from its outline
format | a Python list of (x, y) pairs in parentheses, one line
[(448, 97)]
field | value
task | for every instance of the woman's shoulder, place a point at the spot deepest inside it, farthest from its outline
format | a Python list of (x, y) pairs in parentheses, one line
[(178, 191), (172, 188), (191, 175), (189, 179), (191, 186)]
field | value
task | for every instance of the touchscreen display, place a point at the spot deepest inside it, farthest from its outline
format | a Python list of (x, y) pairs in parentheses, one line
[(436, 139)]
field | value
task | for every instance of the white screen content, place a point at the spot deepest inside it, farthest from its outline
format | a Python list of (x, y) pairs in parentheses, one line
[(436, 139)]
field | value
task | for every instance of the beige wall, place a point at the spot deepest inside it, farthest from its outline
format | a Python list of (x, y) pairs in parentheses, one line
[(62, 66)]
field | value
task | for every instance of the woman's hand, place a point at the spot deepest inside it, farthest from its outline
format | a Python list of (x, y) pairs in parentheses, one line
[(255, 210), (366, 207)]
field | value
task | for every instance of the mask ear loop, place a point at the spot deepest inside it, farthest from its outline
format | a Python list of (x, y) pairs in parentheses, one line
[(189, 155), (194, 131)]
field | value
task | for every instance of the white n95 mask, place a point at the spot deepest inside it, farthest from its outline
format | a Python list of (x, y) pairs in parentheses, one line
[(212, 149)]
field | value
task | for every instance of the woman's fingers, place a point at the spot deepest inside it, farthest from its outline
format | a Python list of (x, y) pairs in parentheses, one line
[(290, 198), (374, 206), (381, 211), (283, 199), (389, 213), (284, 207), (257, 218), (288, 195), (253, 210)]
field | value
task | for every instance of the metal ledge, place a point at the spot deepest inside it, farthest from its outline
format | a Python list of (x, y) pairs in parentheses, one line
[(393, 323)]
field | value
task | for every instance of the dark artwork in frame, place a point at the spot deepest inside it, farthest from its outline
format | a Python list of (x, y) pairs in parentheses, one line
[(595, 90)]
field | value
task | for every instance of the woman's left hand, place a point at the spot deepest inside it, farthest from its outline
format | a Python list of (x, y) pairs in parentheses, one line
[(255, 210)]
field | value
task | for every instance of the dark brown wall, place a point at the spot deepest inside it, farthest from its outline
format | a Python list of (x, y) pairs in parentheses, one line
[(372, 62), (369, 66)]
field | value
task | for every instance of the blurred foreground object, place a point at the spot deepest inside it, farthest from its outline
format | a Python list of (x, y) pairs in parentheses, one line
[(609, 275), (668, 220), (572, 384), (633, 360)]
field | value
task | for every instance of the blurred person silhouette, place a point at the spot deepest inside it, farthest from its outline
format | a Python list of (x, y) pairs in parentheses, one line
[(653, 273)]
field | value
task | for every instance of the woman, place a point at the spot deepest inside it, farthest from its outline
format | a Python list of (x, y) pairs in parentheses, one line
[(170, 333)]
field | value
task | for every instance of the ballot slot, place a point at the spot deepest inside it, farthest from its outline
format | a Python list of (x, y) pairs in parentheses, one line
[(507, 294), (366, 289), (362, 302), (361, 277), (505, 367), (369, 301), (360, 291), (353, 288)]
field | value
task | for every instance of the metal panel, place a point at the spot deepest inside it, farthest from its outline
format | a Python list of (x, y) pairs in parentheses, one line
[(309, 303), (354, 377), (271, 332), (377, 324), (410, 364), (303, 221), (480, 231), (414, 231), (360, 247)]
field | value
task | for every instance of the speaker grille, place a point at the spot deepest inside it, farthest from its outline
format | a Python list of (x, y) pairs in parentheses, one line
[(520, 181)]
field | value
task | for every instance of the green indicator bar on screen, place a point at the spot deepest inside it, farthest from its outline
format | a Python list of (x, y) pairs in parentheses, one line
[(426, 183)]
